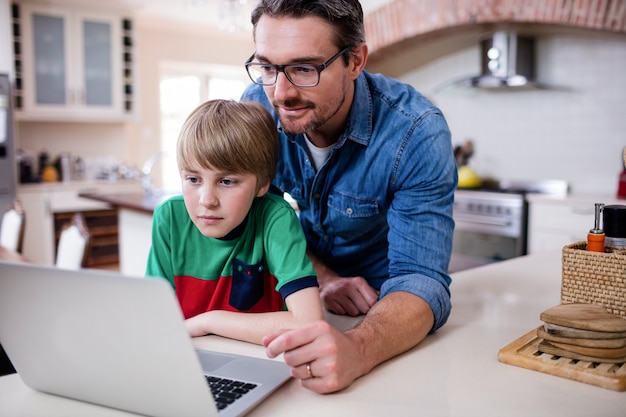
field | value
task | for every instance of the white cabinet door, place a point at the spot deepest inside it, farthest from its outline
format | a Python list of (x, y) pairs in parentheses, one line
[(72, 64)]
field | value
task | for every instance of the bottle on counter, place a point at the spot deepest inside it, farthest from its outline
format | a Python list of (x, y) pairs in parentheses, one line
[(25, 162), (44, 160), (78, 169), (596, 236), (66, 166), (614, 223)]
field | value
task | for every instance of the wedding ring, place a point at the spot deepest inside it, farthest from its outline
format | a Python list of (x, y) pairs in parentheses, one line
[(308, 370)]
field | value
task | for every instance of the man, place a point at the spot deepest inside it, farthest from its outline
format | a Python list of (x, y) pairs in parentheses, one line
[(370, 163)]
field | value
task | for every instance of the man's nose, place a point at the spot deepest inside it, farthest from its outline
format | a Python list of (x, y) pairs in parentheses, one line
[(284, 88)]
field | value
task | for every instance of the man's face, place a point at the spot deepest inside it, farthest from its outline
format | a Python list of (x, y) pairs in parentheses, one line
[(323, 108)]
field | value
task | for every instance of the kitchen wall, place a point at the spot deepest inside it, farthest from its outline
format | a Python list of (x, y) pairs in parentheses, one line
[(157, 44), (576, 135)]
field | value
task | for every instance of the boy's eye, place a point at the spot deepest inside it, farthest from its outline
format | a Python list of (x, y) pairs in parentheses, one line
[(228, 181), (193, 180)]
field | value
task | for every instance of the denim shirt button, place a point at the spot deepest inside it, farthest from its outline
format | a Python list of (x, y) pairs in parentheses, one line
[(318, 227), (316, 196), (349, 211)]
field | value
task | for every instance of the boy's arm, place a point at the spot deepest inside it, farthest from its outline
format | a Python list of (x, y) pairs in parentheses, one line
[(304, 306)]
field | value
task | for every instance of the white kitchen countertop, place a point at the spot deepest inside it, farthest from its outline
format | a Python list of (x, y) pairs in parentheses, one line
[(454, 372), (75, 185), (576, 198)]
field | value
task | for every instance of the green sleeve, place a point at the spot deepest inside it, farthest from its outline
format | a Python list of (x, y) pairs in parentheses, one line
[(285, 247), (160, 255)]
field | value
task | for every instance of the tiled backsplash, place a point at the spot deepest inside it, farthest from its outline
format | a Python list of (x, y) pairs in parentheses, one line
[(575, 135)]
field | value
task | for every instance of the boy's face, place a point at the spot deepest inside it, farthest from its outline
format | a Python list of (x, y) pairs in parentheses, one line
[(218, 201)]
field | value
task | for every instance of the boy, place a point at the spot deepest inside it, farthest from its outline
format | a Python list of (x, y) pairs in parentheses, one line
[(234, 254)]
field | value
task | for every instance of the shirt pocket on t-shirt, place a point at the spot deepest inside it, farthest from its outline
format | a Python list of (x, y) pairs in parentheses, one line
[(247, 286)]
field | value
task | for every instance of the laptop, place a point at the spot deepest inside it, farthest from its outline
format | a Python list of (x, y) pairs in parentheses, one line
[(117, 341)]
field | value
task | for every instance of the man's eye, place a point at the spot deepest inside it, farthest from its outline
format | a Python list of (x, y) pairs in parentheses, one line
[(304, 70)]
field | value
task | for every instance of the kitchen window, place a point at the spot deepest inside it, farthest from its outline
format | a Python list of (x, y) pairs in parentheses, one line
[(182, 88)]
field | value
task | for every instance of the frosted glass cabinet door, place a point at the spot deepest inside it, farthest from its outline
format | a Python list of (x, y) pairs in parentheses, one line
[(98, 63), (49, 54), (72, 63)]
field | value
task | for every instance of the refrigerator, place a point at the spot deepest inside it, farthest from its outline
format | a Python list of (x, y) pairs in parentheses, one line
[(8, 166), (8, 173)]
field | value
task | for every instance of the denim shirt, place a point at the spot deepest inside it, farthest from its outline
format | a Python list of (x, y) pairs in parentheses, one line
[(381, 205)]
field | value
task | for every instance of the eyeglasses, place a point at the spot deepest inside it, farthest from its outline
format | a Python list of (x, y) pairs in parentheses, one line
[(300, 75)]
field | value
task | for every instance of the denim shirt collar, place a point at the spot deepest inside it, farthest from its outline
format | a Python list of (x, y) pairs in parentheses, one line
[(358, 128)]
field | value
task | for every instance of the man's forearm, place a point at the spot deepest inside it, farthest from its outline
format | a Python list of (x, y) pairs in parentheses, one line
[(395, 324)]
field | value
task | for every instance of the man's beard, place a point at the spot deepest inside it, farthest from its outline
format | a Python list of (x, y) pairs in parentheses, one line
[(321, 115)]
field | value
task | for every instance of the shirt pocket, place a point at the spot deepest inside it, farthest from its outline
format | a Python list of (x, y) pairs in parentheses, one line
[(247, 286), (348, 214)]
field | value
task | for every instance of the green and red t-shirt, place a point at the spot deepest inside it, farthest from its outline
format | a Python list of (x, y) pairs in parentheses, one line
[(253, 269)]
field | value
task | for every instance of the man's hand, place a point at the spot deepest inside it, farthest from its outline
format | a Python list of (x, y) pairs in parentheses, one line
[(322, 357), (348, 296), (327, 360)]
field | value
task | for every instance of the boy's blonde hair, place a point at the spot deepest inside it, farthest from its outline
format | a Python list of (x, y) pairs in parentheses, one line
[(238, 137)]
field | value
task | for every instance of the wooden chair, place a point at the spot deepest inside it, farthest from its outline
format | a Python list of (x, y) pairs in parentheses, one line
[(73, 246), (13, 226)]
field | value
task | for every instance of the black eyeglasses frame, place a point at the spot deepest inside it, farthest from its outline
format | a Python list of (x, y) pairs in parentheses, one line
[(281, 68)]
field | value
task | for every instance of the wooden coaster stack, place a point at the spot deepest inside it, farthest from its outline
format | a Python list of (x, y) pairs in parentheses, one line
[(583, 332)]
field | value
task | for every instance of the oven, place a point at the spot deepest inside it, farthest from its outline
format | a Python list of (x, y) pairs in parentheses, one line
[(491, 224)]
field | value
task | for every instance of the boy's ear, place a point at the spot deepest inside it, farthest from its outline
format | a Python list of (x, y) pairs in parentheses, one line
[(263, 189)]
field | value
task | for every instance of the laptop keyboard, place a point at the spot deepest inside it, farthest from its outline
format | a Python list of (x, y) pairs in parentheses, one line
[(227, 391)]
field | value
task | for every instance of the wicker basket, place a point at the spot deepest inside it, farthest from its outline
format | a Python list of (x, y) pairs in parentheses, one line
[(594, 277)]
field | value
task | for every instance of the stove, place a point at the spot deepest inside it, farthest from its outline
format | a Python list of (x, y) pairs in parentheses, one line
[(491, 223)]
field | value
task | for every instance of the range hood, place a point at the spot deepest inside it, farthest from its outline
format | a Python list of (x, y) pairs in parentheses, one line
[(508, 63)]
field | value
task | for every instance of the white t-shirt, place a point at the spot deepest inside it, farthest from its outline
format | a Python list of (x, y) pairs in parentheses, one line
[(319, 155)]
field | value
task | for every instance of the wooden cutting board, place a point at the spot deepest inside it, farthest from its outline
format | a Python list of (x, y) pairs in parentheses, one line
[(580, 341), (562, 331), (585, 317), (524, 352), (583, 353)]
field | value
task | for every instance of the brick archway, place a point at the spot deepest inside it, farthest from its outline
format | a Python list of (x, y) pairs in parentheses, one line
[(402, 20)]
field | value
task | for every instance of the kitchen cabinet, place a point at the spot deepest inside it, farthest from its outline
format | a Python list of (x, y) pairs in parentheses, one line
[(556, 222), (72, 64), (45, 206)]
